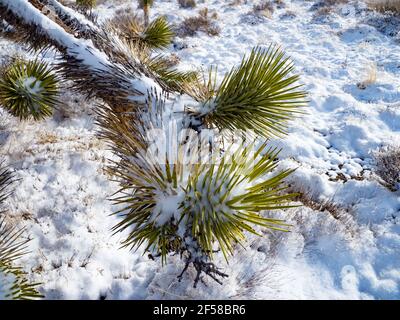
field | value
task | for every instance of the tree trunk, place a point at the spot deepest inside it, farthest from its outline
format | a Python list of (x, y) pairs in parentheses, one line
[(146, 15)]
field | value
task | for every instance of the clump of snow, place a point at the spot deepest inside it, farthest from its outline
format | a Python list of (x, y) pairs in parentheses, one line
[(32, 85), (167, 207)]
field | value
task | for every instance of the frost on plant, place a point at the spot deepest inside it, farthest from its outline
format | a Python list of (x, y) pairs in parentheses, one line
[(180, 192)]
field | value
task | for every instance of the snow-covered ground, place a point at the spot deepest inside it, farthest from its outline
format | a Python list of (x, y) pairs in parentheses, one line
[(62, 193)]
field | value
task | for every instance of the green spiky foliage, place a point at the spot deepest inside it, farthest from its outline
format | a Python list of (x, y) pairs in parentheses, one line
[(261, 94), (157, 35), (168, 207), (86, 4), (174, 79), (6, 180), (13, 281), (216, 203), (142, 41), (144, 181), (195, 209), (222, 201), (29, 89), (149, 185)]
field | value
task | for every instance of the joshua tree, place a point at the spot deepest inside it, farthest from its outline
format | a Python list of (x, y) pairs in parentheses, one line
[(170, 205)]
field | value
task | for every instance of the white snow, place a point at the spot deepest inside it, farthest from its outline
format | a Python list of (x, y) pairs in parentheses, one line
[(6, 283), (32, 85), (63, 191)]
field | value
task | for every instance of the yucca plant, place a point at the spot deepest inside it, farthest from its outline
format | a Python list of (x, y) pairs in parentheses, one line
[(6, 179), (261, 95), (178, 207), (29, 89), (169, 197), (197, 209), (156, 35), (174, 80), (392, 6), (171, 206), (13, 281), (144, 43), (145, 5), (218, 211)]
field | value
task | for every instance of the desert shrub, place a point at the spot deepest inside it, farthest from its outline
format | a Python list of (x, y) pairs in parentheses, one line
[(29, 89), (388, 166), (326, 7), (385, 5), (187, 3), (202, 22), (310, 199), (265, 8)]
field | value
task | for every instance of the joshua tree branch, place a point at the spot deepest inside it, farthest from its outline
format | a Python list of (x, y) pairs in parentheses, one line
[(92, 69)]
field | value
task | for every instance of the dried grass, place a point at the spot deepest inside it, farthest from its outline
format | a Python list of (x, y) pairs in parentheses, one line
[(202, 22), (387, 161), (385, 5)]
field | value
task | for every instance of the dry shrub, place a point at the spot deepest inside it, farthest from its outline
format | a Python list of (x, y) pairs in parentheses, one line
[(387, 161), (236, 3), (187, 3), (265, 8), (370, 77), (280, 3), (335, 2), (326, 7), (203, 22), (385, 5), (324, 11), (340, 213)]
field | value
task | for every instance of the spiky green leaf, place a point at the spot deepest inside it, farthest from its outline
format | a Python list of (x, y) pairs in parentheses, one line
[(226, 199), (29, 89), (174, 79), (261, 94), (159, 34), (13, 281)]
